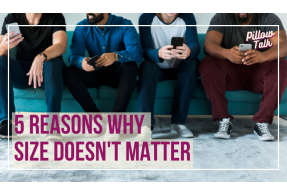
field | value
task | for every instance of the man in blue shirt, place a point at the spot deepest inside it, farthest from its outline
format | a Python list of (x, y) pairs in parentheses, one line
[(163, 62), (118, 48)]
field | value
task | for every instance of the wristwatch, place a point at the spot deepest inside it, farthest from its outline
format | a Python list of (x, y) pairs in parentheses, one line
[(116, 56), (43, 55)]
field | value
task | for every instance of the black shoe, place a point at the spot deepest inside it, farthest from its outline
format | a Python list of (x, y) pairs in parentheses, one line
[(284, 117), (4, 130), (225, 127), (263, 132)]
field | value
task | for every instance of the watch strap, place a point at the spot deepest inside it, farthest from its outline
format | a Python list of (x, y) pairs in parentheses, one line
[(116, 56), (44, 55)]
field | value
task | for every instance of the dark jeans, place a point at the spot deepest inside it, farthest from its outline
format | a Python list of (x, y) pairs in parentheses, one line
[(150, 73), (53, 83), (122, 76), (220, 75)]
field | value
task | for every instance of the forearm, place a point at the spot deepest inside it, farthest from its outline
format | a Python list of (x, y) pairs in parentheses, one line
[(76, 60), (194, 50), (152, 55), (215, 50), (272, 53), (130, 55), (55, 50), (3, 52)]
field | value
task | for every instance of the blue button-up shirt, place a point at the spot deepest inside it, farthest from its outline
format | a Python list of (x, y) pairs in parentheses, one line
[(123, 40)]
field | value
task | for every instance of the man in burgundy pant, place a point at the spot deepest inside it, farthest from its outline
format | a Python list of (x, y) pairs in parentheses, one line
[(228, 69)]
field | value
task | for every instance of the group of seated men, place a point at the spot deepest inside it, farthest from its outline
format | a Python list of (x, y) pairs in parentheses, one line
[(39, 63)]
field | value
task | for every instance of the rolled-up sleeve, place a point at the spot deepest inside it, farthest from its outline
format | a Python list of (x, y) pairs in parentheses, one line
[(77, 48), (133, 51)]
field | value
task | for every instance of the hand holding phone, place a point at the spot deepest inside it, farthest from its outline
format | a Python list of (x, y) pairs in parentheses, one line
[(245, 47), (86, 66), (92, 62), (176, 41), (13, 27), (11, 42)]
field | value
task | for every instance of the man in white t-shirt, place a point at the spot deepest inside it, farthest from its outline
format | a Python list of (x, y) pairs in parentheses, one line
[(163, 62)]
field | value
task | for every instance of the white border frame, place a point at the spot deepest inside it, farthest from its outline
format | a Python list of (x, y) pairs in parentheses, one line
[(146, 169)]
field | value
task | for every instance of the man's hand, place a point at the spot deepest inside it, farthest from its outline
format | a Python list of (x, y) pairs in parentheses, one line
[(36, 71), (235, 56), (252, 57), (12, 42), (184, 50), (86, 66), (106, 59), (165, 52)]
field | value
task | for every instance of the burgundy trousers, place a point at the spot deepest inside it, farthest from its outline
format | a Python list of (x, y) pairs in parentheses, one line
[(220, 75)]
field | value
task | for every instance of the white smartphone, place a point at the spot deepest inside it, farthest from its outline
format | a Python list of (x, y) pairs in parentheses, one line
[(13, 27), (245, 47)]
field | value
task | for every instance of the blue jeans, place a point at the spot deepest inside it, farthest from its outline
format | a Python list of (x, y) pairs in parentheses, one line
[(53, 83), (150, 73)]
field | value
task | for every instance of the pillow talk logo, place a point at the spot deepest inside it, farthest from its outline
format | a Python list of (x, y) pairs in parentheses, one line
[(94, 141), (257, 36)]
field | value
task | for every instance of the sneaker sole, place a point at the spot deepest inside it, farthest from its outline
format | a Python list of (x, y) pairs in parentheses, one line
[(188, 136), (264, 138), (222, 136)]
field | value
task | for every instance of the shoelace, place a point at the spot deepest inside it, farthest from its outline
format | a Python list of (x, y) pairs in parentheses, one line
[(263, 127), (224, 125)]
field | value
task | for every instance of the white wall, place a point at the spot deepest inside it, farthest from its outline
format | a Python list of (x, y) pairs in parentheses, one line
[(201, 18)]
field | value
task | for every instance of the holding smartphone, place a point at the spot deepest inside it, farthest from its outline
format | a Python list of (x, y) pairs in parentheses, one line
[(92, 62), (245, 47), (177, 41), (13, 27)]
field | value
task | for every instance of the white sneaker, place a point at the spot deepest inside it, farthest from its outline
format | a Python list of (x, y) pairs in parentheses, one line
[(262, 131), (111, 137), (224, 130), (102, 123), (181, 130), (145, 135)]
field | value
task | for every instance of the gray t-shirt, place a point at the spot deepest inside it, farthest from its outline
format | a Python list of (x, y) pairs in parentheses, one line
[(233, 36)]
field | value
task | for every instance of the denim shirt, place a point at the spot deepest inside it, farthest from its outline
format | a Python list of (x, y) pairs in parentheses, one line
[(123, 40)]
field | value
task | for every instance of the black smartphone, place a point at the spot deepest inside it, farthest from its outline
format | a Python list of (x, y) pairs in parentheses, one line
[(92, 62), (177, 41)]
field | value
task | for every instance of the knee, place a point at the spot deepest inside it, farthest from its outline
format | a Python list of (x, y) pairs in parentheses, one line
[(130, 68), (148, 68), (207, 65), (190, 66), (54, 65)]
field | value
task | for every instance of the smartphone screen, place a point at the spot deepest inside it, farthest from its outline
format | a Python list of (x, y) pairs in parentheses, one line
[(176, 41), (13, 27)]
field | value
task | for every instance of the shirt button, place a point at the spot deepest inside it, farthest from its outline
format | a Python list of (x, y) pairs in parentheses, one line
[(103, 34), (103, 47), (129, 58), (121, 55)]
